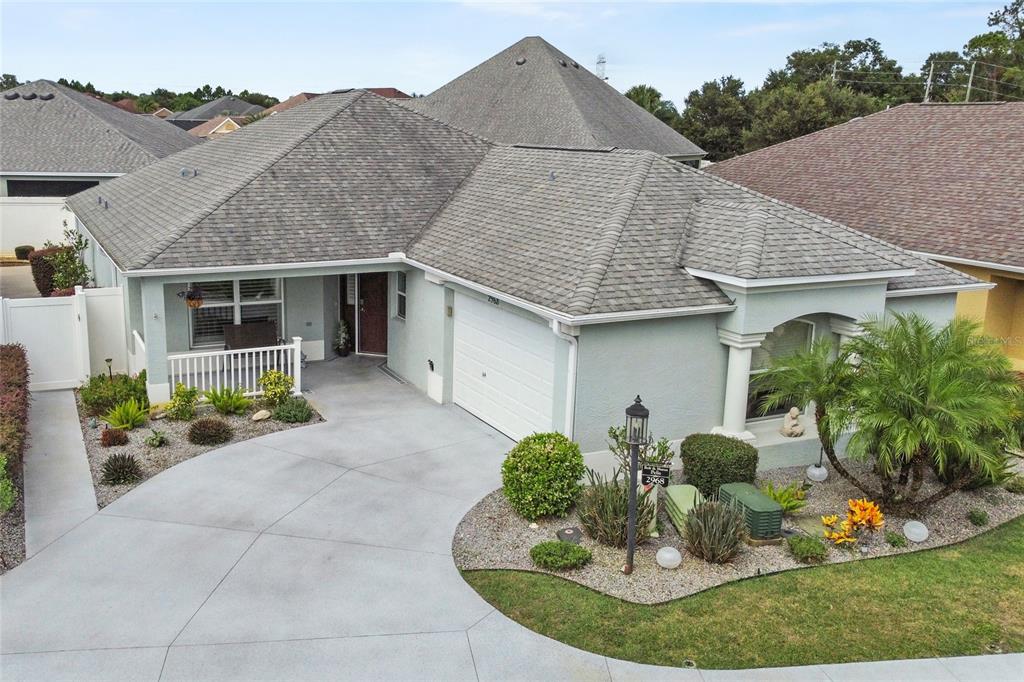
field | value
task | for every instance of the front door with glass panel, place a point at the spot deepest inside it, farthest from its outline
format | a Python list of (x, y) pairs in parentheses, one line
[(236, 301)]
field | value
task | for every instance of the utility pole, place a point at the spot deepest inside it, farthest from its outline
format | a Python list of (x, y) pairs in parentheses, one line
[(601, 61), (970, 82), (928, 85)]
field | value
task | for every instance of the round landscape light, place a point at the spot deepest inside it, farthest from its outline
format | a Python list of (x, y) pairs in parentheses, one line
[(817, 473), (669, 557), (915, 531)]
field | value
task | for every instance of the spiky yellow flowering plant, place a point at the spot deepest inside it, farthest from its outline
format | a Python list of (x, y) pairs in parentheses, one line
[(862, 515)]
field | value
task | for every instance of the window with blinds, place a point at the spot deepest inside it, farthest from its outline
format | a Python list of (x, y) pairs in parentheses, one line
[(234, 302), (786, 339)]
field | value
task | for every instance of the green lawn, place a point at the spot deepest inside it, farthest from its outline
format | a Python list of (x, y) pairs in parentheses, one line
[(946, 602)]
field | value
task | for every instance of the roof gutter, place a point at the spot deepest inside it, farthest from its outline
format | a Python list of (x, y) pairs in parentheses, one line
[(949, 289), (60, 174), (968, 261), (769, 282)]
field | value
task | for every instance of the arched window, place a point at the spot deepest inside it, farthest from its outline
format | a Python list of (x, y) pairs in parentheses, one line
[(786, 339)]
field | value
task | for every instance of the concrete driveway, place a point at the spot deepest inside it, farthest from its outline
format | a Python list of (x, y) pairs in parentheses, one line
[(317, 553)]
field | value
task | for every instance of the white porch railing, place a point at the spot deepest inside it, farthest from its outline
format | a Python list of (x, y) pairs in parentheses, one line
[(240, 368)]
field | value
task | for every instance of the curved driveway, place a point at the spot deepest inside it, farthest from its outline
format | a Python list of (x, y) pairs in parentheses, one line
[(316, 553)]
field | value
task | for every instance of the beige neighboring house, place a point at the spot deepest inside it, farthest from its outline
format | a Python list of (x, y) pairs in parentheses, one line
[(221, 125), (162, 112)]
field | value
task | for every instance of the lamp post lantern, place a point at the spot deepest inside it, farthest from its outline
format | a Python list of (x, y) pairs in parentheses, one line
[(636, 435)]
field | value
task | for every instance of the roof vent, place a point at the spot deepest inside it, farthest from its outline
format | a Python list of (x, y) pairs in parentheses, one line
[(46, 97), (29, 95), (520, 61), (11, 95), (575, 65), (562, 62)]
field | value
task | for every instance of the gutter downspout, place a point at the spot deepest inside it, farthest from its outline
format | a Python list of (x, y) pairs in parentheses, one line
[(570, 387)]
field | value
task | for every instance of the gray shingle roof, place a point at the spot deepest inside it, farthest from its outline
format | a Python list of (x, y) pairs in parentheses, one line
[(549, 99), (228, 105), (346, 175), (75, 133), (353, 175)]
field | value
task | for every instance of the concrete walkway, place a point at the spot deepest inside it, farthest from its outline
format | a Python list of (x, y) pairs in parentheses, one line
[(59, 493), (317, 553)]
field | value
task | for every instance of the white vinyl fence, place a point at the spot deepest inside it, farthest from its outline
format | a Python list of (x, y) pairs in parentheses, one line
[(240, 368), (67, 338), (31, 221)]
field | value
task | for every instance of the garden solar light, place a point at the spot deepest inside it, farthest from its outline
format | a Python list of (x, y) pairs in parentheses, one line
[(636, 435), (110, 371)]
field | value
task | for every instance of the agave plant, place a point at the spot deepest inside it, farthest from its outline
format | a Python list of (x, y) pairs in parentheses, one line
[(603, 509), (126, 415), (121, 468), (714, 531), (228, 400)]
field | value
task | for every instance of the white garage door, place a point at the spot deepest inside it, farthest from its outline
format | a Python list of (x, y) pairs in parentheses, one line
[(504, 364)]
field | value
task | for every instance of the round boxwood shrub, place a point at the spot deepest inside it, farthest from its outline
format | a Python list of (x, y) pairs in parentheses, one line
[(21, 252), (210, 431), (709, 460), (540, 475), (556, 555)]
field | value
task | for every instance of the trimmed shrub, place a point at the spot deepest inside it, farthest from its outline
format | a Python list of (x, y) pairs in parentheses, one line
[(603, 509), (1015, 485), (714, 531), (293, 410), (807, 550), (276, 386), (228, 400), (556, 555), (182, 405), (14, 400), (210, 431), (42, 268), (895, 539), (8, 495), (121, 468), (21, 252), (540, 475), (156, 439), (792, 498), (126, 415), (111, 437), (709, 460), (978, 517), (103, 393)]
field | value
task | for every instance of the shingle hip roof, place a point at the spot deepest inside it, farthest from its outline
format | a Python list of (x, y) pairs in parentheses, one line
[(71, 132), (548, 99), (353, 175), (228, 105), (943, 179)]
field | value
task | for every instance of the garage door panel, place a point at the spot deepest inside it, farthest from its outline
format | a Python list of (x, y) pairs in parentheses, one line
[(503, 367)]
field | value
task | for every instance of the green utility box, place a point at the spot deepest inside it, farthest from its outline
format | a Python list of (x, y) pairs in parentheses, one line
[(763, 514), (679, 500)]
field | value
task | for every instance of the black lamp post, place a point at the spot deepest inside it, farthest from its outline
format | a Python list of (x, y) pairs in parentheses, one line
[(636, 435)]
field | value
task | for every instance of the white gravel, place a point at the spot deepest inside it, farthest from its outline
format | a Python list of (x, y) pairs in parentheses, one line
[(493, 536), (178, 449)]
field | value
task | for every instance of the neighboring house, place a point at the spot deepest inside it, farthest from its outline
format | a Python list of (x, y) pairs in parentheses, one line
[(228, 105), (531, 93), (539, 288), (292, 101), (944, 180), (391, 93), (162, 112), (221, 125), (54, 142), (126, 104)]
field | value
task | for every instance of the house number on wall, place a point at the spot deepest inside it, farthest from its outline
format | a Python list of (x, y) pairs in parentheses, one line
[(492, 299)]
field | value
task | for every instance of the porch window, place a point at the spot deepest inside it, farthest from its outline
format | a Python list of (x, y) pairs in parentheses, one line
[(400, 284), (786, 339), (234, 302)]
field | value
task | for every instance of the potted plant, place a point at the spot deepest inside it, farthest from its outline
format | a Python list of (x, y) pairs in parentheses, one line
[(193, 297), (341, 343)]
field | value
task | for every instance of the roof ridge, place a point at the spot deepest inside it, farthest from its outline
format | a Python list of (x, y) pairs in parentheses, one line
[(403, 105), (146, 258), (752, 242), (603, 248)]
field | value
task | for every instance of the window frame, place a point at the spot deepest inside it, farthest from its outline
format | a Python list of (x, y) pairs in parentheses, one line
[(236, 304), (754, 372), (401, 295)]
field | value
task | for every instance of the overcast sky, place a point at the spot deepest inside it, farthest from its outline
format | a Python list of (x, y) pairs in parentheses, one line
[(281, 49)]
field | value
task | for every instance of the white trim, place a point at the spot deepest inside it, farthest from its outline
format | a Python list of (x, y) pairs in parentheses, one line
[(221, 125), (55, 174), (969, 261), (740, 340), (745, 283), (570, 380), (217, 269), (949, 289)]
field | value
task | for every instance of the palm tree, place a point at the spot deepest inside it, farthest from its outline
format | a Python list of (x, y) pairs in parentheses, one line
[(650, 99), (930, 396), (817, 376)]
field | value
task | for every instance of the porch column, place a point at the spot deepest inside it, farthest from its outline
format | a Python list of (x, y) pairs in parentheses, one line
[(154, 325), (737, 383), (846, 329)]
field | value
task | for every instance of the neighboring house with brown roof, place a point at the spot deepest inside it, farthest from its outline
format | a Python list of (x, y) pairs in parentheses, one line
[(540, 288), (229, 105), (292, 101), (126, 104), (943, 180), (221, 125)]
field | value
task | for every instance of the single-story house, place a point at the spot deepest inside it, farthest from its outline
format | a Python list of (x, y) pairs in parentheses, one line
[(54, 142), (533, 93), (219, 125), (945, 180), (229, 105), (538, 287)]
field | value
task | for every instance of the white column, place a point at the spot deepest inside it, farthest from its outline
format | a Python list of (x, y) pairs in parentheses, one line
[(154, 325), (846, 329), (737, 383)]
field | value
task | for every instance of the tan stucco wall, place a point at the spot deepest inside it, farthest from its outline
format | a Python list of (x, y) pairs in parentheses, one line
[(1000, 310)]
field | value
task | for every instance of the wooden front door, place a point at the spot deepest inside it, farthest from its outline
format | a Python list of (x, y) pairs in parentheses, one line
[(373, 313)]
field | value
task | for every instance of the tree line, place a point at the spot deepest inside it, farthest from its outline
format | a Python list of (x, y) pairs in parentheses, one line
[(831, 84), (149, 102)]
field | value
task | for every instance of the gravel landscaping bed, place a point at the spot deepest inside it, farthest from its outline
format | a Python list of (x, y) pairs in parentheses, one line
[(12, 527), (178, 448), (493, 536)]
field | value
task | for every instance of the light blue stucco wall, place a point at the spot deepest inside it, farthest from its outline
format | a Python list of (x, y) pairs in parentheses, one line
[(761, 311), (938, 308), (420, 337)]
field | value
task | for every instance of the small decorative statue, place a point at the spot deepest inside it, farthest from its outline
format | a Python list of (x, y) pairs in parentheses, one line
[(791, 426)]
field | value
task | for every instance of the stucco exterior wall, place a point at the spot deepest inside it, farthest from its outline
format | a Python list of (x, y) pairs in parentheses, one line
[(937, 308), (304, 314), (418, 338)]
